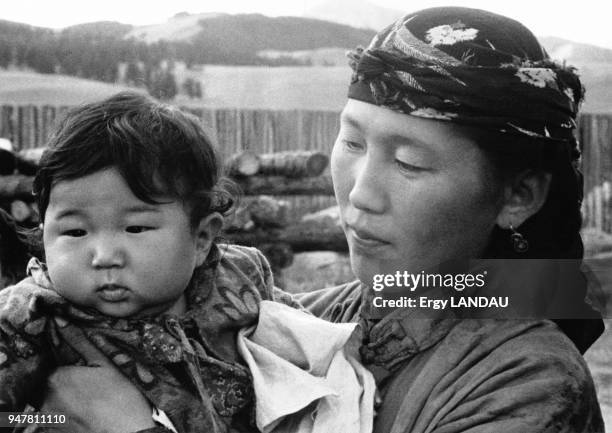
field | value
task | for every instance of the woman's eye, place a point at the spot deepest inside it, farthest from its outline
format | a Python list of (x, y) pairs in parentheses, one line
[(353, 145), (74, 233), (138, 229), (404, 166)]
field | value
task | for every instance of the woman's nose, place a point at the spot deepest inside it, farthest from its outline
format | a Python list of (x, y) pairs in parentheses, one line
[(107, 253), (368, 191)]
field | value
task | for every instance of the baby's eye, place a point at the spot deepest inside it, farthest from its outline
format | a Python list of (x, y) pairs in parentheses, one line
[(138, 229), (74, 233)]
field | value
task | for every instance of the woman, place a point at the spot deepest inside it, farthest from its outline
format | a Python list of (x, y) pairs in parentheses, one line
[(457, 143)]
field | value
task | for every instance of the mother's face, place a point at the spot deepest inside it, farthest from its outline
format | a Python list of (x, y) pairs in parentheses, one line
[(413, 192)]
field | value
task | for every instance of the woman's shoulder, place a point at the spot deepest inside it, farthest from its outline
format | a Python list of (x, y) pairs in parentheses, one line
[(535, 342), (536, 373), (519, 349), (521, 375)]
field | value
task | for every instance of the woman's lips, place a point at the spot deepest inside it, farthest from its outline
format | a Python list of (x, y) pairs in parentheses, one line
[(112, 293), (366, 240)]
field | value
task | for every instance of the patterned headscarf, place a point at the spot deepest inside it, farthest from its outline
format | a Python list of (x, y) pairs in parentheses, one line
[(469, 66)]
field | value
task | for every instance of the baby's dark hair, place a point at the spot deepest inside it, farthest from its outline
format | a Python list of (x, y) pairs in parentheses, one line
[(158, 149)]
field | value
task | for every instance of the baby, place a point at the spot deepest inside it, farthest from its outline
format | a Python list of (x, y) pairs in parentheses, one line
[(131, 200)]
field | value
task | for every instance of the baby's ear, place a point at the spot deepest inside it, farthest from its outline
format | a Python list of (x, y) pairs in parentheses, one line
[(205, 233)]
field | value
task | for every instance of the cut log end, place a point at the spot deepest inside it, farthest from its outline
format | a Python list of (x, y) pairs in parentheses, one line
[(293, 164), (245, 163), (317, 163)]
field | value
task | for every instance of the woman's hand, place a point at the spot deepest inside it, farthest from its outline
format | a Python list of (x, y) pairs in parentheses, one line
[(97, 399)]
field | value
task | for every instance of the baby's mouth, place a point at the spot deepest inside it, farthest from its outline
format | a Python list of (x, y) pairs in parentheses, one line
[(112, 292)]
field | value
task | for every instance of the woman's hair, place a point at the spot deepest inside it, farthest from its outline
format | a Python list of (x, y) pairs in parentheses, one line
[(158, 149), (554, 231)]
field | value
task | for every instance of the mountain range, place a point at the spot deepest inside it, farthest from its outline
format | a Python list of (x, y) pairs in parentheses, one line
[(341, 24)]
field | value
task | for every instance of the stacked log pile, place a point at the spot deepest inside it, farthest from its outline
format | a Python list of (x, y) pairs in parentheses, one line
[(261, 220)]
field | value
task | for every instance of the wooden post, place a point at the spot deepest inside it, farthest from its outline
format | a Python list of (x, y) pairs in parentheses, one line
[(7, 127)]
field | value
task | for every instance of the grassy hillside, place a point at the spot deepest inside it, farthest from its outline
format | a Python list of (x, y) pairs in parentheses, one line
[(20, 87), (283, 88), (316, 88)]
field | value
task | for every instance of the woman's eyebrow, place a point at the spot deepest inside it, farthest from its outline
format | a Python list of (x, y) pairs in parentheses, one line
[(403, 140), (393, 138), (348, 120)]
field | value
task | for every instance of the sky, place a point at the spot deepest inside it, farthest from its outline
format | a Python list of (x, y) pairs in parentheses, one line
[(587, 21)]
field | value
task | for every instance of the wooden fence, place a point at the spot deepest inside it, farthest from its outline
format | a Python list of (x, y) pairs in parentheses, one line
[(266, 131), (596, 140)]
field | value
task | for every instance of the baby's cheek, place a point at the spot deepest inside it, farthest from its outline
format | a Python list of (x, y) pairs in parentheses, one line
[(66, 276), (61, 279)]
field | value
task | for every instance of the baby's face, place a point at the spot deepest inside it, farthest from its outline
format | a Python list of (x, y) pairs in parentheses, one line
[(109, 250)]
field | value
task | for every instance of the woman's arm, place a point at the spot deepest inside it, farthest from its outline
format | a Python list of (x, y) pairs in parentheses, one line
[(20, 377), (25, 359), (97, 399)]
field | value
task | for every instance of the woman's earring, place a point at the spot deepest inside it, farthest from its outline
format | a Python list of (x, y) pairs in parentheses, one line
[(519, 243)]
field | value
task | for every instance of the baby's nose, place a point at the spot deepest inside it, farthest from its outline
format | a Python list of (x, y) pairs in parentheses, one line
[(107, 253)]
